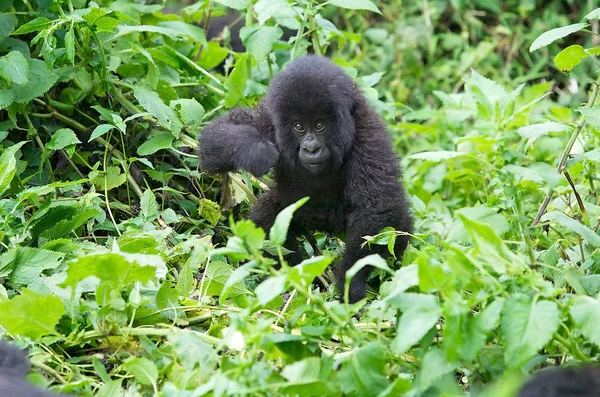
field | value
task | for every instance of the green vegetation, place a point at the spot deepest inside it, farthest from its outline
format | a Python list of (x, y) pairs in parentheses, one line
[(127, 272)]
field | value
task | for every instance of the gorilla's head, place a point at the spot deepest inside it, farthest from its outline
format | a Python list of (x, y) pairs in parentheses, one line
[(311, 102)]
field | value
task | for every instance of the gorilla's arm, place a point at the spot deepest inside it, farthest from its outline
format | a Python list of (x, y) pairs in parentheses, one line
[(242, 139), (375, 198)]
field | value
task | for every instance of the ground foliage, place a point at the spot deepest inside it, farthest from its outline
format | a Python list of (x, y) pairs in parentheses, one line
[(126, 271)]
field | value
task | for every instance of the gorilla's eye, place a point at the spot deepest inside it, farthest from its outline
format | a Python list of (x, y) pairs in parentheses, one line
[(319, 126), (299, 127)]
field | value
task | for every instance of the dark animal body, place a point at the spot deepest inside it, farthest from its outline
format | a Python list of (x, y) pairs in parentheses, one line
[(14, 366), (324, 140), (563, 382)]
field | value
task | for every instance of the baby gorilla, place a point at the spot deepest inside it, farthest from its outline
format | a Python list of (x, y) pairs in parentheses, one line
[(563, 382), (14, 366), (325, 141)]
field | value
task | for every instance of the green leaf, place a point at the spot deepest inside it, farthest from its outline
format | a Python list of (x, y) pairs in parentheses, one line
[(100, 130), (109, 179), (216, 275), (309, 269), (270, 289), (259, 40), (70, 45), (355, 5), (570, 57), (190, 111), (151, 102), (490, 246), (585, 311), (142, 369), (14, 68), (374, 260), (435, 365), (62, 138), (8, 22), (533, 132), (594, 14), (35, 25), (420, 313), (235, 4), (278, 232), (526, 327), (550, 36), (157, 141), (210, 211), (479, 327), (114, 270), (591, 114), (24, 264), (31, 314), (8, 166), (192, 31), (436, 156), (41, 79), (234, 278), (167, 296), (363, 373), (149, 206), (236, 82), (588, 234)]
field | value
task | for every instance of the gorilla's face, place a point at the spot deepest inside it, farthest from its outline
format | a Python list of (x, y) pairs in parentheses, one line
[(313, 152)]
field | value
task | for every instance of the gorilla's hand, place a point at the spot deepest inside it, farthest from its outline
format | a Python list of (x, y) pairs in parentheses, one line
[(258, 158)]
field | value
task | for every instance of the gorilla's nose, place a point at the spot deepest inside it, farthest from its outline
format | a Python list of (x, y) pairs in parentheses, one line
[(312, 147)]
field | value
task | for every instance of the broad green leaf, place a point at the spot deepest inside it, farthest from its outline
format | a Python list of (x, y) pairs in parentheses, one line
[(270, 289), (193, 352), (355, 5), (172, 33), (216, 275), (210, 211), (8, 166), (100, 130), (591, 114), (41, 79), (404, 278), (236, 82), (374, 260), (279, 230), (570, 57), (533, 132), (237, 276), (167, 296), (192, 31), (235, 4), (31, 314), (157, 141), (6, 98), (435, 365), (109, 179), (185, 282), (491, 90), (526, 327), (266, 9), (420, 313), (62, 138), (594, 14), (8, 22), (24, 264), (70, 45), (259, 40), (142, 369), (481, 214), (490, 246), (585, 311), (436, 156), (149, 206), (67, 225), (151, 102), (114, 270), (303, 371), (363, 373), (479, 327), (588, 234), (190, 111), (309, 269), (14, 68), (35, 25), (551, 36)]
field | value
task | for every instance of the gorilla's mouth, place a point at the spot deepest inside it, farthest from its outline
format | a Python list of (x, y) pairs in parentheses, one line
[(314, 167)]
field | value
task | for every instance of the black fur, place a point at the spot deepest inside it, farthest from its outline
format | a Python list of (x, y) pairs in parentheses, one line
[(563, 382), (359, 193), (14, 366)]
